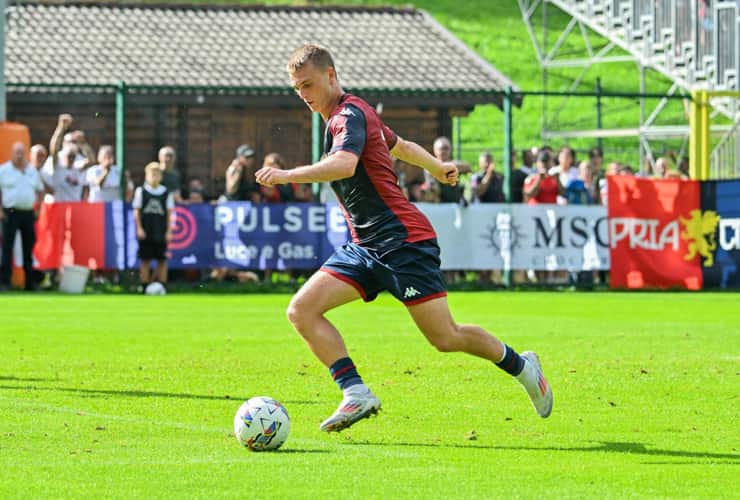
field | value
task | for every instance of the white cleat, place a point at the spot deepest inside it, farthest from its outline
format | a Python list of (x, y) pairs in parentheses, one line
[(536, 385), (353, 407)]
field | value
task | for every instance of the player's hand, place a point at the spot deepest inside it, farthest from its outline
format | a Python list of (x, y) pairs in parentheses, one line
[(269, 176), (448, 174), (140, 233), (2, 214), (168, 236)]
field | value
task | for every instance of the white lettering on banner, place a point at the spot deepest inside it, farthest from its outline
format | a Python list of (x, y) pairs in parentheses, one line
[(267, 252), (317, 219), (249, 219), (644, 233), (235, 252), (729, 234), (293, 222), (288, 250), (269, 228), (498, 236), (576, 233), (337, 224)]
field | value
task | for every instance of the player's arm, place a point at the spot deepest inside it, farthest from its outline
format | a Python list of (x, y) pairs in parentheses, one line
[(410, 152), (339, 165)]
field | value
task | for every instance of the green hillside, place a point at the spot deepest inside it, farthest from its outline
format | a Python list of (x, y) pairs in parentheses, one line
[(496, 31)]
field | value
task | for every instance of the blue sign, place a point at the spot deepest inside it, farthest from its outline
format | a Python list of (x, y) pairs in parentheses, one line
[(241, 235)]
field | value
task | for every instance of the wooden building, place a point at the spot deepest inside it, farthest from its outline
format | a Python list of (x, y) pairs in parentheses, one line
[(206, 78)]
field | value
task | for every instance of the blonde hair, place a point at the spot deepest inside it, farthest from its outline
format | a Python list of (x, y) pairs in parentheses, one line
[(310, 54), (153, 167)]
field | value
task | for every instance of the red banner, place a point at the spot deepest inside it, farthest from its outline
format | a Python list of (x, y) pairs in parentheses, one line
[(648, 244), (70, 233)]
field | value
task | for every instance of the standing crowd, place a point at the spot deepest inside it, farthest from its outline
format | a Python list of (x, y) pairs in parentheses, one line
[(71, 171)]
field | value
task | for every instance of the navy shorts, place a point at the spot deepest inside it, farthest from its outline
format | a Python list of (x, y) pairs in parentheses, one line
[(409, 272)]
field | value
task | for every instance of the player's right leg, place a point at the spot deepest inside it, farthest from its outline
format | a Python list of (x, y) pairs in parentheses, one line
[(321, 293)]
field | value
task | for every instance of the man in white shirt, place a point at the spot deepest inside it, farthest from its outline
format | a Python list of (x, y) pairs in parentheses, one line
[(104, 179), (20, 190), (62, 177)]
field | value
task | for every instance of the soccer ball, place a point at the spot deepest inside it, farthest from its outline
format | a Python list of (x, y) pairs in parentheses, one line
[(261, 424), (155, 288)]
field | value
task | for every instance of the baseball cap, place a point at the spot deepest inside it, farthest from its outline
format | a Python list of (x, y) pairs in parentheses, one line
[(245, 150)]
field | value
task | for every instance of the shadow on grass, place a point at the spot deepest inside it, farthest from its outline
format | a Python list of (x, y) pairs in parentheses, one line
[(142, 394), (12, 378), (296, 451), (604, 447)]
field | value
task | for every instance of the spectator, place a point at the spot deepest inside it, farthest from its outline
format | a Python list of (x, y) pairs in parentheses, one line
[(541, 187), (64, 181), (661, 168), (63, 137), (241, 184), (282, 193), (153, 205), (20, 190), (196, 191), (170, 175), (104, 179), (519, 175), (567, 163), (577, 191), (410, 178), (528, 159), (596, 158), (625, 170), (488, 185), (447, 193), (38, 156)]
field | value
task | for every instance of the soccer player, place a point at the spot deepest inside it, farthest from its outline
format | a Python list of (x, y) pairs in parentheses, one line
[(393, 245)]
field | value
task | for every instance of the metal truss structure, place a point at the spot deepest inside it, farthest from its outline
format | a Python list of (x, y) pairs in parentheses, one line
[(694, 44)]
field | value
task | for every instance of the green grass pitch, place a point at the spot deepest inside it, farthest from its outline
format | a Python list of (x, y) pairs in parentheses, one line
[(133, 397)]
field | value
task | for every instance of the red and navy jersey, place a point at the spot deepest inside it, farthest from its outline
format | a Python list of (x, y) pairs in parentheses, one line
[(377, 212)]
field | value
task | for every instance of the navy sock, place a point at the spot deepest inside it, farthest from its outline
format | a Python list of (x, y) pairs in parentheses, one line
[(344, 373), (512, 362)]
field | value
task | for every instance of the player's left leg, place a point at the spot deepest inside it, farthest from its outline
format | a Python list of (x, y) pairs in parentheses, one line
[(436, 323)]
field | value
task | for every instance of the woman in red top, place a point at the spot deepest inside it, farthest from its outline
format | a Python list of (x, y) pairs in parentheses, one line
[(541, 187)]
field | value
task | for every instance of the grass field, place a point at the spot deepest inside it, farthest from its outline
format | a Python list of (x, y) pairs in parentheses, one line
[(129, 396)]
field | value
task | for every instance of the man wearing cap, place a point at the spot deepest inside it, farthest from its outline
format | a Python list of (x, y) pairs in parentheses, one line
[(241, 184), (20, 190)]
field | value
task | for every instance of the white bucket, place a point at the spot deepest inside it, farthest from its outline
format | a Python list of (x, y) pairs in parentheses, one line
[(73, 279)]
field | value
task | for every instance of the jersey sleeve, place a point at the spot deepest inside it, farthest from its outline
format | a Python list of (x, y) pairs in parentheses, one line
[(389, 135), (349, 131)]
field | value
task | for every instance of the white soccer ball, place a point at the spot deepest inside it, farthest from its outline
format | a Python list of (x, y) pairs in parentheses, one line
[(261, 424), (155, 288)]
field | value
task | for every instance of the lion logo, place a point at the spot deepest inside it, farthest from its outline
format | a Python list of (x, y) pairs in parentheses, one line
[(701, 234)]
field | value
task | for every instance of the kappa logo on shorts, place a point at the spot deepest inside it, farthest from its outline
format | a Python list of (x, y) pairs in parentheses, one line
[(410, 292)]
